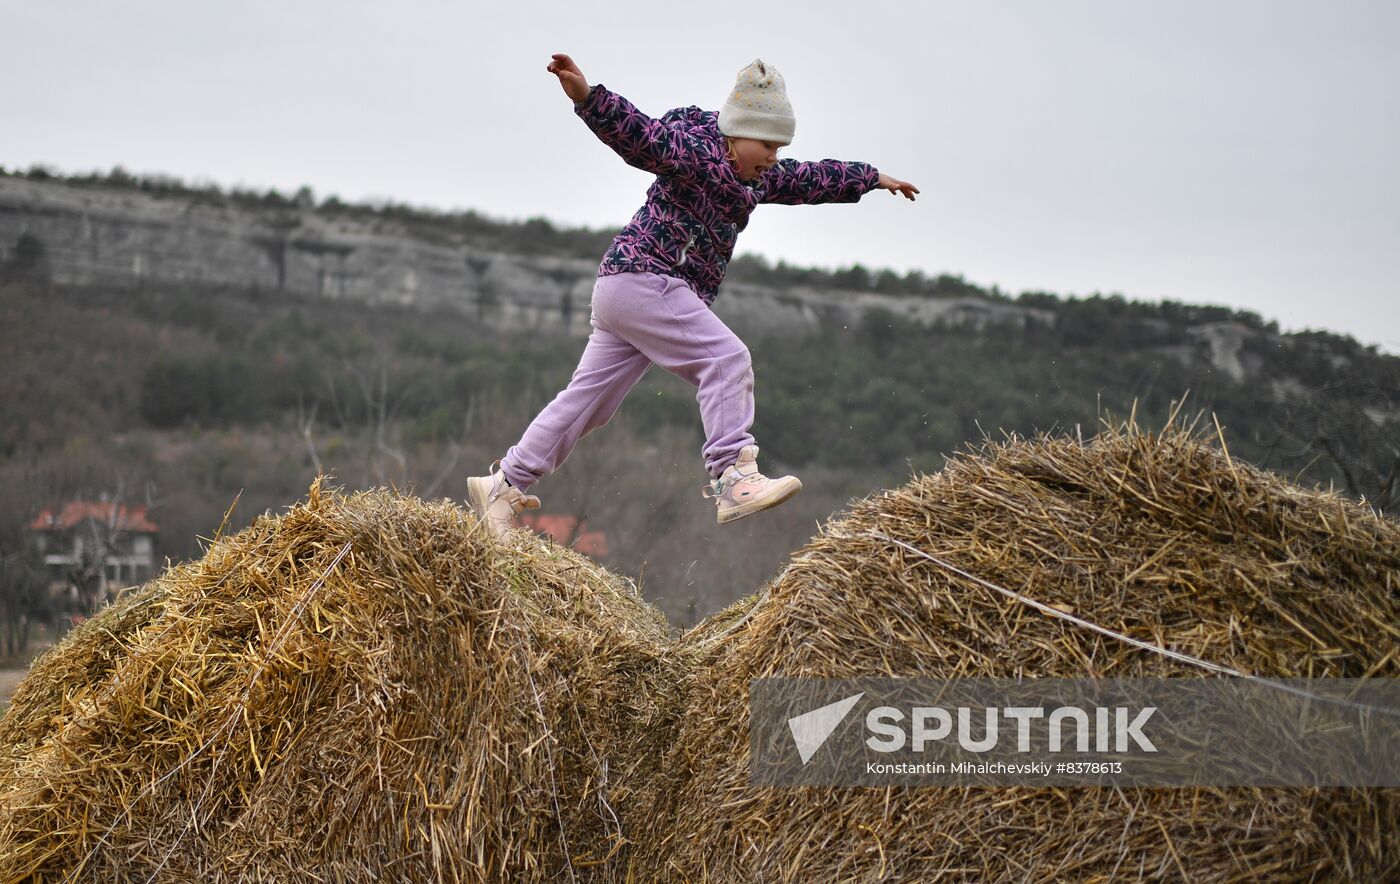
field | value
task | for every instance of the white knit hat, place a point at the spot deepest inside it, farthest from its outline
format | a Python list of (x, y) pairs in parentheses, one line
[(758, 107)]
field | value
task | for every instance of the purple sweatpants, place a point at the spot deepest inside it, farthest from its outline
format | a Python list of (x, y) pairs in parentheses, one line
[(640, 319)]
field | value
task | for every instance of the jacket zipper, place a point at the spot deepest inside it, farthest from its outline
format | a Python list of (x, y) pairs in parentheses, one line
[(688, 244)]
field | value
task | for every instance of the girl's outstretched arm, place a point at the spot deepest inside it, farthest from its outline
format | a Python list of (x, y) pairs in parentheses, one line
[(829, 181), (796, 183), (640, 140)]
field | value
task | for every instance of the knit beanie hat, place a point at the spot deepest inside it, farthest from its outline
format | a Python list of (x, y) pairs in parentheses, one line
[(758, 107)]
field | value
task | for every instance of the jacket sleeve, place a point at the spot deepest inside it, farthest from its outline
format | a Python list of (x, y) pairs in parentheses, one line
[(640, 140), (826, 181)]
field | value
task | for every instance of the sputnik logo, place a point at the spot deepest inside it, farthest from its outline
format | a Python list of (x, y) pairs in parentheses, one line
[(811, 729)]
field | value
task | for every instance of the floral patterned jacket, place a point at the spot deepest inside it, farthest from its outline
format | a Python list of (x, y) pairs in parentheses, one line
[(697, 205)]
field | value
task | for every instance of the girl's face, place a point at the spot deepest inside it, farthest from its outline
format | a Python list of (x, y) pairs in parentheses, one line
[(752, 157)]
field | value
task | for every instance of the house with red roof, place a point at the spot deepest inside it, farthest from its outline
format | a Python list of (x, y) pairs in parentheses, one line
[(108, 543), (569, 531)]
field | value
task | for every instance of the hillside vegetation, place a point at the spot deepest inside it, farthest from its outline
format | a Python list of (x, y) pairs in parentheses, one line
[(190, 397)]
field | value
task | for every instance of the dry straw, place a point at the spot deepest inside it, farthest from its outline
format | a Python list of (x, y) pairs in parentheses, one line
[(368, 687), (365, 688), (1159, 537)]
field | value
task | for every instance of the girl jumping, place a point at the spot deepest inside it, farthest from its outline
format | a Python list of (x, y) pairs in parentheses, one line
[(651, 303)]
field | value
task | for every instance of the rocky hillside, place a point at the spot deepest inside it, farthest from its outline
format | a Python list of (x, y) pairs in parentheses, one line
[(115, 236)]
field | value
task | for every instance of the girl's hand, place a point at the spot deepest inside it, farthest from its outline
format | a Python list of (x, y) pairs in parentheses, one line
[(895, 186), (570, 77)]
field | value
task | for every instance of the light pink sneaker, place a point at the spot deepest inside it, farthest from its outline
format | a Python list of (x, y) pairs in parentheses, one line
[(496, 501), (742, 490)]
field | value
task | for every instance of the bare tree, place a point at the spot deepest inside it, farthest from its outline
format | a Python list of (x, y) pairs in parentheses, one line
[(454, 450), (23, 598), (100, 537), (382, 436), (306, 424)]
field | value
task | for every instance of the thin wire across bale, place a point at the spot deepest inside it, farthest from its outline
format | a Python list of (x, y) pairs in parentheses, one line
[(363, 688), (1161, 537)]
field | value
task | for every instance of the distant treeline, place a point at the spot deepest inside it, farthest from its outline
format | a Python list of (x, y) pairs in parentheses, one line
[(869, 395)]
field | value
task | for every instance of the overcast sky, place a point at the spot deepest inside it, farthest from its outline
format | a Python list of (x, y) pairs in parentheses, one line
[(1222, 152)]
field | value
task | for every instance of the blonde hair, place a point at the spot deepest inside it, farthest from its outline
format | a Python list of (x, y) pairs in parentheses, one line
[(729, 148)]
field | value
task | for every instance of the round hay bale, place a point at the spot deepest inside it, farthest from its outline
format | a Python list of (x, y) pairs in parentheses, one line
[(1158, 536), (363, 688), (89, 655)]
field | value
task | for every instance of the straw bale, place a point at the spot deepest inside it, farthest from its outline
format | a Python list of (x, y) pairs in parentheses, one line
[(370, 688), (1160, 536), (91, 653), (363, 688)]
